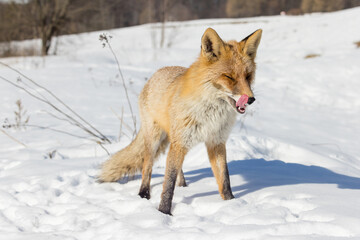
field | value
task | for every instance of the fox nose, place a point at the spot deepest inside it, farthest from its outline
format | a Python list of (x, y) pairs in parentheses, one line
[(251, 100)]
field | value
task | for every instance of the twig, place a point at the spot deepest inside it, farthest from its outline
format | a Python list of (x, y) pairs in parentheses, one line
[(59, 131), (103, 137), (52, 105), (105, 38), (12, 138), (104, 148), (121, 120), (72, 123), (70, 118), (67, 133)]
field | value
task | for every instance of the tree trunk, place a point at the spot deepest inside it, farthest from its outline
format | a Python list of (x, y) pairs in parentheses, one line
[(50, 17), (163, 14)]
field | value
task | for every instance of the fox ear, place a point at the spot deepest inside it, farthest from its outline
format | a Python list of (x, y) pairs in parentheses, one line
[(251, 43), (211, 45)]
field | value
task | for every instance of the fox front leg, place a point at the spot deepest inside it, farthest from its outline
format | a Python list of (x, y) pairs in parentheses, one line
[(217, 157)]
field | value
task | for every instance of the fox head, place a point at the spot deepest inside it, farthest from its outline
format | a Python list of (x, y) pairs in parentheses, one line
[(231, 65)]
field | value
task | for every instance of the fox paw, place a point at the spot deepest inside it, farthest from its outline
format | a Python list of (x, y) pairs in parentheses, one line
[(144, 193)]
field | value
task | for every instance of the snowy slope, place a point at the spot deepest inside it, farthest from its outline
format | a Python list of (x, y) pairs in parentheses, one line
[(294, 158)]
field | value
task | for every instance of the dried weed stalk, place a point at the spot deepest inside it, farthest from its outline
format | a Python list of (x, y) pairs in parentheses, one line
[(105, 39), (29, 86)]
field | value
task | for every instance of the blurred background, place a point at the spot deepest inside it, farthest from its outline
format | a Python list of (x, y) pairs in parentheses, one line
[(44, 19)]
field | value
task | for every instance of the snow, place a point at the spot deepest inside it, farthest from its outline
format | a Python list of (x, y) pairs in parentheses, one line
[(294, 157)]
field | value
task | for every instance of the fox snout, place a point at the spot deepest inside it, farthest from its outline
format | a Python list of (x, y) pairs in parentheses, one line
[(241, 104), (250, 100)]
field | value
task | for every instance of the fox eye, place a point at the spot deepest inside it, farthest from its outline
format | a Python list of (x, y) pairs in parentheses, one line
[(229, 77)]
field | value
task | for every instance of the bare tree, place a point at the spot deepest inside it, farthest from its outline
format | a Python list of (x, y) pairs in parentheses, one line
[(166, 7), (49, 18), (26, 19)]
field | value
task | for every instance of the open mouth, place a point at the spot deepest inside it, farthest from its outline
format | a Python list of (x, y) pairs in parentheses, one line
[(241, 104), (240, 109)]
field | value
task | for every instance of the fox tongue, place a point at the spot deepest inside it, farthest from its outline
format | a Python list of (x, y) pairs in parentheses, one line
[(241, 103)]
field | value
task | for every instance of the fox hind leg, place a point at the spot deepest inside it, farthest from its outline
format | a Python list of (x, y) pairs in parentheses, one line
[(180, 181), (155, 143)]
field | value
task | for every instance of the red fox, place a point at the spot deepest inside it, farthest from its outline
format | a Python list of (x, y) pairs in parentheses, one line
[(186, 106)]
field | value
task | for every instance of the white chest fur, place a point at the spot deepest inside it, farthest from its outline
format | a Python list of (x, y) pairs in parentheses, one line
[(212, 123)]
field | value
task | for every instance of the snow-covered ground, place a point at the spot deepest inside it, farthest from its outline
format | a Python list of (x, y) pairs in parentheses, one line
[(294, 157)]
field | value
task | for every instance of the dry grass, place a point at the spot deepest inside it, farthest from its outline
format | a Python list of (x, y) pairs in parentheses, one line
[(46, 96), (312, 55)]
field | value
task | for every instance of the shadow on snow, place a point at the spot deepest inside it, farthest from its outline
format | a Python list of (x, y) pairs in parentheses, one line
[(259, 174)]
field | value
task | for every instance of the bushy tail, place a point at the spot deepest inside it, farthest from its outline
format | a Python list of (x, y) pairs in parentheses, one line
[(126, 162)]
